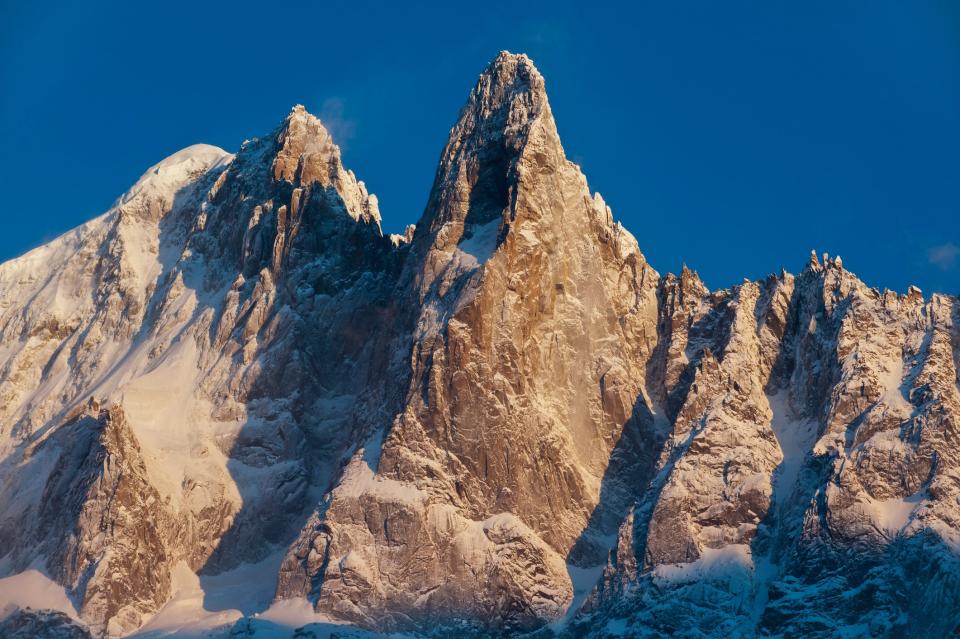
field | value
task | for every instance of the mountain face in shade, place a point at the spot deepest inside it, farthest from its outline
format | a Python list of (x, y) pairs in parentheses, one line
[(230, 406)]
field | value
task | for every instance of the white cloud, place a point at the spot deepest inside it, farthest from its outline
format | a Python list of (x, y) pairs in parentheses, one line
[(944, 256), (340, 127)]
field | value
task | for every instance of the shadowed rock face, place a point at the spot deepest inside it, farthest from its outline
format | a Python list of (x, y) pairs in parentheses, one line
[(108, 528), (100, 525), (504, 419), (30, 624)]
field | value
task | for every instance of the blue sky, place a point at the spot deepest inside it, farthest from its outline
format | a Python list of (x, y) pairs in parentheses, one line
[(733, 136)]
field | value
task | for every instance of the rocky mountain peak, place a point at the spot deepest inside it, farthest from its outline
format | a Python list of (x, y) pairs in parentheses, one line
[(305, 155), (501, 168), (302, 134), (511, 82), (484, 147)]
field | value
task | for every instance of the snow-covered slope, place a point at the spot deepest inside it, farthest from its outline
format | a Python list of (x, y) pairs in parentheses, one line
[(230, 404)]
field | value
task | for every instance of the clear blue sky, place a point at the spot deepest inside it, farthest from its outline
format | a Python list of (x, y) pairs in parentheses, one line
[(733, 136)]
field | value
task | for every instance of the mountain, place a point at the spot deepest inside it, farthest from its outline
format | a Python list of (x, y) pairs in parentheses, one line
[(232, 405)]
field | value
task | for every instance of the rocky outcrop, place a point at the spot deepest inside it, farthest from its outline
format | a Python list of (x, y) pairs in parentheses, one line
[(103, 528), (50, 624), (503, 421)]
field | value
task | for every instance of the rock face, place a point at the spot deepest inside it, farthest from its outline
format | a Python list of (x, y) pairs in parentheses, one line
[(108, 529), (29, 624), (504, 421), (534, 315), (811, 489)]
